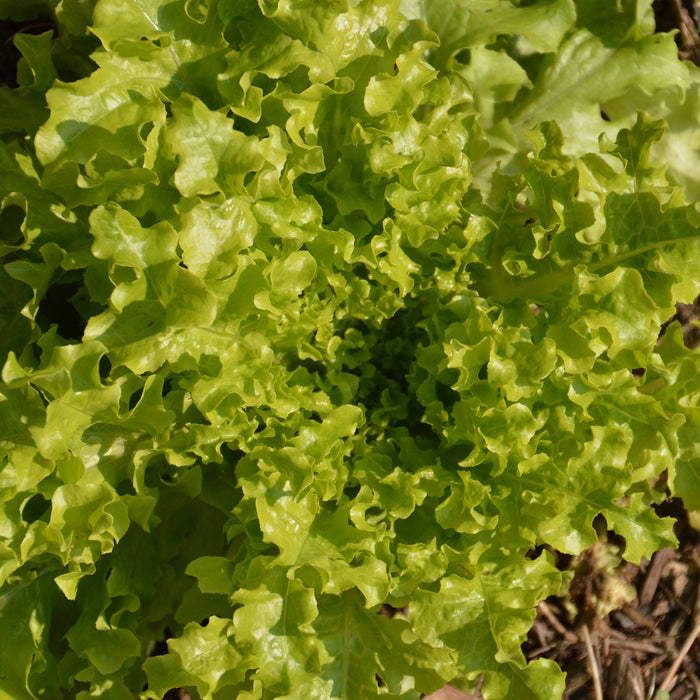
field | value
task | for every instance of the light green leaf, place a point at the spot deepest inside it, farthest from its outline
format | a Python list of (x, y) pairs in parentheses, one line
[(363, 645), (212, 155), (313, 308), (212, 236), (485, 618), (203, 657), (37, 72), (105, 111), (25, 616), (290, 276), (120, 239), (461, 24)]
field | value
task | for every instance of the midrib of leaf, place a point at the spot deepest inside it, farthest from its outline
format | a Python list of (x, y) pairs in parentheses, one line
[(145, 267), (538, 287), (194, 657), (77, 409), (284, 608), (205, 134), (156, 26), (488, 26), (216, 331), (617, 409), (613, 260), (487, 605), (687, 466), (543, 487), (347, 635), (138, 5), (535, 111), (289, 581), (19, 588), (528, 114)]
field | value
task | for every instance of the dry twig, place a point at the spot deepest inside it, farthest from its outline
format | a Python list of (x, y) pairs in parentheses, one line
[(653, 575), (689, 33), (554, 621), (694, 680), (679, 658), (593, 663)]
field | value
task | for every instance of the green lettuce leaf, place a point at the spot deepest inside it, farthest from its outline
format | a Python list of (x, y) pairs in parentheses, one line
[(318, 321)]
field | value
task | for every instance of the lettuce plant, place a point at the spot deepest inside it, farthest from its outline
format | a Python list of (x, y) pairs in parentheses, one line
[(314, 308)]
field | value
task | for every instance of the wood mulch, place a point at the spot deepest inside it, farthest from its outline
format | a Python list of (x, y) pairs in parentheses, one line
[(627, 631), (681, 16)]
